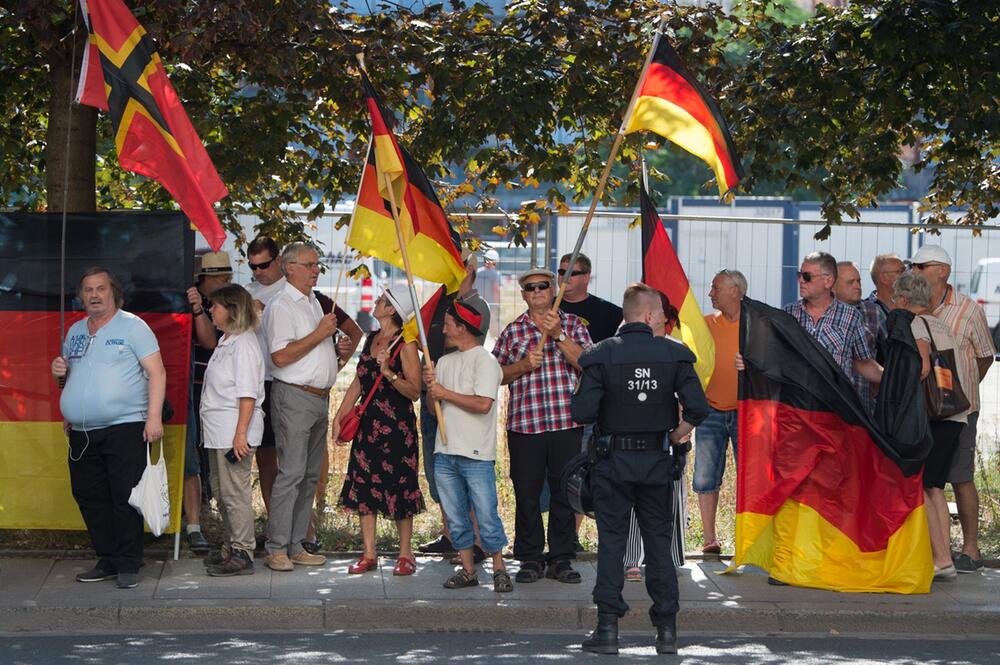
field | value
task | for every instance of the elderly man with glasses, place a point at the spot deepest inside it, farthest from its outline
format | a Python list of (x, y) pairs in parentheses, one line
[(541, 434), (837, 326), (304, 366), (967, 322)]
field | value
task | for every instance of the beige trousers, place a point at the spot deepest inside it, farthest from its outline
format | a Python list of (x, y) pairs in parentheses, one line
[(231, 485)]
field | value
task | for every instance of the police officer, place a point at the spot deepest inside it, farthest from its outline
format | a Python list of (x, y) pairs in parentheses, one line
[(628, 387)]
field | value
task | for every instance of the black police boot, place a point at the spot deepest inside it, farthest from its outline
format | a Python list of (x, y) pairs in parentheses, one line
[(666, 637), (604, 639)]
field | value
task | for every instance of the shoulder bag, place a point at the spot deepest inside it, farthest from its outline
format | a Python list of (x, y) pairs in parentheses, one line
[(942, 389), (350, 423)]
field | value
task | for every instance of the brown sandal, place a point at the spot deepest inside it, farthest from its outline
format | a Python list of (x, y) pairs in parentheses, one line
[(462, 579), (501, 582)]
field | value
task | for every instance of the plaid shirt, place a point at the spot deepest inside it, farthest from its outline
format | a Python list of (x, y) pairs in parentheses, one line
[(876, 317), (841, 331), (539, 400)]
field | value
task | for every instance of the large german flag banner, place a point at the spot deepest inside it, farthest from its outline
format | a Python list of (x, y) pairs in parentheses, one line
[(673, 104), (662, 270), (431, 242), (152, 255), (823, 498), (122, 73)]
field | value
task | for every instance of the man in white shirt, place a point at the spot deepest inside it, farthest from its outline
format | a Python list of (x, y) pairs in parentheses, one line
[(304, 358), (466, 382), (265, 266)]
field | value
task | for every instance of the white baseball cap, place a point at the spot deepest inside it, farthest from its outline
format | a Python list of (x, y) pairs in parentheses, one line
[(401, 303), (929, 254)]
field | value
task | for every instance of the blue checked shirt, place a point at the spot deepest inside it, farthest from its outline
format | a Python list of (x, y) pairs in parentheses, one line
[(841, 331)]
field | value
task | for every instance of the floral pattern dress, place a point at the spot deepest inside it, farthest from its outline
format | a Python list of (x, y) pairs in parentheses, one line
[(382, 473)]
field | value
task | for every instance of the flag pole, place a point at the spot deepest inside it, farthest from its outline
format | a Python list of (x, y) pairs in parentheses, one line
[(413, 299), (409, 272), (599, 192)]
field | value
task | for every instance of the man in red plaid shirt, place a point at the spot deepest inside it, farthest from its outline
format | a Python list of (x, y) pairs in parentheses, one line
[(541, 435)]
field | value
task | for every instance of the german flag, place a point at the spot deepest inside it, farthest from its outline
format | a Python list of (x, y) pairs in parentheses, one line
[(152, 256), (432, 244), (427, 310), (662, 270), (823, 498), (674, 105), (123, 74)]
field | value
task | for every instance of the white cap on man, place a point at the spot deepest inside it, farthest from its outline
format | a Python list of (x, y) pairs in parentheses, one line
[(930, 254)]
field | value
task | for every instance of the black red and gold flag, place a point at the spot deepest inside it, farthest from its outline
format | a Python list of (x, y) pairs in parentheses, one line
[(824, 498), (433, 246), (673, 104), (152, 255), (122, 73), (662, 269)]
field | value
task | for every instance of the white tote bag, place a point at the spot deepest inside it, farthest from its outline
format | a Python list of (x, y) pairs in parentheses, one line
[(151, 497)]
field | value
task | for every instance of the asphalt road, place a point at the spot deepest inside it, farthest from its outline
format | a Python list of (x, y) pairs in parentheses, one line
[(478, 648)]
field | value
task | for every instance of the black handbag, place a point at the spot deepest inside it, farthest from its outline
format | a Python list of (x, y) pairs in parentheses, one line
[(942, 389)]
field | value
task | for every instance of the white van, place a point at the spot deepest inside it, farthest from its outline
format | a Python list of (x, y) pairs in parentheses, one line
[(984, 288)]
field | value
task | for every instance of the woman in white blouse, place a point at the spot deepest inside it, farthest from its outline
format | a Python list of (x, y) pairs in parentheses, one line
[(232, 424)]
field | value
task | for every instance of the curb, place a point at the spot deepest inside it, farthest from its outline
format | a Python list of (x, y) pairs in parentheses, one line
[(499, 616)]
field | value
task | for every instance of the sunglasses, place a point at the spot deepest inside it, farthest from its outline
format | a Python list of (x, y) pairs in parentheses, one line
[(808, 276), (575, 273), (531, 287), (263, 265), (924, 266)]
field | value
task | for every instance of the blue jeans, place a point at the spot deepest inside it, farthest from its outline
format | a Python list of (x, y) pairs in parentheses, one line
[(466, 484), (428, 433), (710, 441)]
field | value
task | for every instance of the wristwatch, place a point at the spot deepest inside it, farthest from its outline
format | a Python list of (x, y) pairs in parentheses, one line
[(562, 336)]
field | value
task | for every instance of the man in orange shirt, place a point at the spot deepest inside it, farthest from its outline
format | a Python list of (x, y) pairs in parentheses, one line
[(712, 435)]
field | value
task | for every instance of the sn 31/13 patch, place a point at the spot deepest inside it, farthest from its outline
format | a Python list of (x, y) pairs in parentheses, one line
[(642, 383)]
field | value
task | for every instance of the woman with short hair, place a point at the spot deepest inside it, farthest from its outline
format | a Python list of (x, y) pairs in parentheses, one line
[(232, 423), (912, 292), (381, 476)]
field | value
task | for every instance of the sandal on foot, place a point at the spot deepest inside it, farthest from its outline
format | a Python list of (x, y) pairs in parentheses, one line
[(362, 565), (310, 546), (461, 579), (712, 548), (501, 582), (633, 574), (562, 571), (531, 571), (405, 566)]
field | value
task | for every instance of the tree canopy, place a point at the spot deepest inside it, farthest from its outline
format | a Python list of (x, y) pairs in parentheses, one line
[(828, 107)]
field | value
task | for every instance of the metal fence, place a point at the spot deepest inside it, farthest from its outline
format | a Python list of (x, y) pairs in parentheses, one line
[(765, 238)]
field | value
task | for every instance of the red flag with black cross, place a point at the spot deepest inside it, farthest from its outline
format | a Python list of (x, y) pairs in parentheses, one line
[(122, 74)]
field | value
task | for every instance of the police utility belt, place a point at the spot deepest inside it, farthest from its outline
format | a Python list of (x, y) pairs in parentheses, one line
[(638, 441)]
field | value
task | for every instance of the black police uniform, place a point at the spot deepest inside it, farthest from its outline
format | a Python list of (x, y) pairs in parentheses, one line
[(628, 387)]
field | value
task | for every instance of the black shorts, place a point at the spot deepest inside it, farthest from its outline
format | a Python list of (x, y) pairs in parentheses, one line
[(268, 440), (946, 434)]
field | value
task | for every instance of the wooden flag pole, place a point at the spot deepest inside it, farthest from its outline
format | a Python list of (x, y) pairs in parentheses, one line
[(413, 299), (599, 192)]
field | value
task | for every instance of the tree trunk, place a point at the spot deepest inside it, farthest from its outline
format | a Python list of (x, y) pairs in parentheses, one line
[(70, 165)]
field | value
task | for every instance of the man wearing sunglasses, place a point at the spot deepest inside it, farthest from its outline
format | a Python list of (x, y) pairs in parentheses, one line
[(541, 433), (967, 322), (837, 326), (601, 317)]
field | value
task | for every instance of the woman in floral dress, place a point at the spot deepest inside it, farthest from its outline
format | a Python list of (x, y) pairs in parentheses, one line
[(382, 473)]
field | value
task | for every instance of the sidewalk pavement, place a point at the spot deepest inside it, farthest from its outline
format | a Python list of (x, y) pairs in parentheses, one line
[(41, 594)]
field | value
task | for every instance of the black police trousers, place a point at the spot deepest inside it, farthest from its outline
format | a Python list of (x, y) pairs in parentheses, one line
[(104, 465), (643, 479)]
